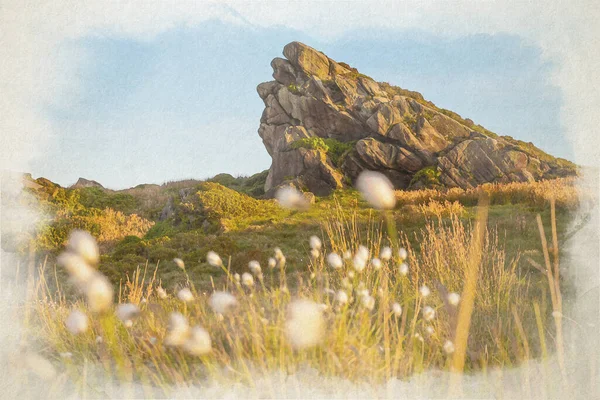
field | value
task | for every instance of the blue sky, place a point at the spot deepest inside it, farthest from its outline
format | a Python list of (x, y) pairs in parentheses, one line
[(183, 104)]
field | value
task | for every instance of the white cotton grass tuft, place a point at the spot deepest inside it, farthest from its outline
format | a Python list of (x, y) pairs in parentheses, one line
[(448, 347), (367, 302), (179, 262), (397, 309), (247, 279), (291, 198), (77, 267), (424, 291), (315, 242), (127, 312), (198, 342), (213, 259), (185, 295), (76, 322), (272, 263), (428, 313), (222, 302), (347, 255), (84, 245), (254, 267), (362, 252), (178, 330), (402, 253), (305, 325), (386, 254), (359, 263), (99, 293), (454, 299), (315, 254), (403, 269), (162, 293), (376, 263), (341, 297), (237, 277), (335, 261), (376, 189), (429, 330)]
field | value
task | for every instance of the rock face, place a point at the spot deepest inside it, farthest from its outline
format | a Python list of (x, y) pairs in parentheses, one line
[(316, 105), (85, 183)]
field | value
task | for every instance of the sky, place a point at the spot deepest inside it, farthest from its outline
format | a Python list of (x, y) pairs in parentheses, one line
[(184, 104), (165, 91)]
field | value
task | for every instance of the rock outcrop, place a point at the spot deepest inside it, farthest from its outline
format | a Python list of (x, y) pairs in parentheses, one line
[(85, 183), (317, 107)]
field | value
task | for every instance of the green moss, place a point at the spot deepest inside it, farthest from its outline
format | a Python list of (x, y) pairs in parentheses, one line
[(428, 176), (334, 149), (293, 88)]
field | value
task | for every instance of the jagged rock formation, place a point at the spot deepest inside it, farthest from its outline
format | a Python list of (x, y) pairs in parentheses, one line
[(316, 104), (84, 183)]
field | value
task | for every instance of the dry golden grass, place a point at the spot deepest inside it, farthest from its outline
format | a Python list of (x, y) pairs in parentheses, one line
[(358, 343), (538, 194)]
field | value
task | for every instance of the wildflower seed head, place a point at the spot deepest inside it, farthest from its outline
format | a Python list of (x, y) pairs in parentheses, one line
[(403, 269), (397, 309), (162, 293), (76, 322), (185, 295), (402, 253), (368, 302), (237, 277), (99, 293), (77, 267), (315, 243), (359, 263), (99, 339), (362, 252), (222, 302), (213, 259), (448, 347), (429, 330), (177, 331), (454, 299), (341, 297), (84, 245), (127, 312), (198, 342), (351, 274), (278, 253), (305, 325), (386, 254), (291, 198), (376, 263), (179, 262), (428, 313), (254, 267), (424, 291), (335, 261), (347, 255), (314, 254), (281, 262), (272, 263), (247, 279), (376, 189)]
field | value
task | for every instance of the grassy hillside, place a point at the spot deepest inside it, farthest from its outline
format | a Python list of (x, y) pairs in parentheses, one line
[(395, 321), (154, 224)]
